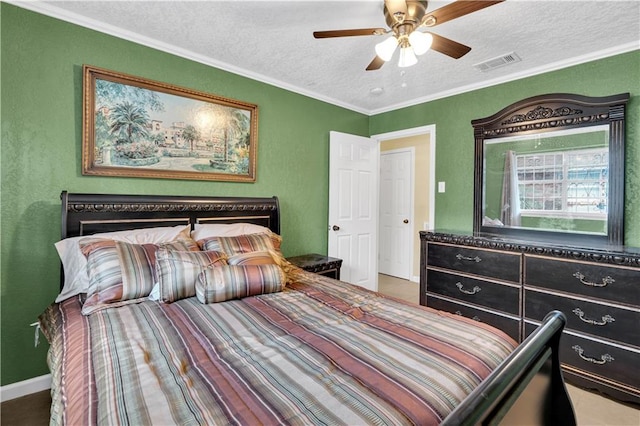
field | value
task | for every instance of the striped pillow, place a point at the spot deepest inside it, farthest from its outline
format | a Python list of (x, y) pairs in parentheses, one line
[(178, 270), (235, 282), (121, 273), (242, 243), (253, 258)]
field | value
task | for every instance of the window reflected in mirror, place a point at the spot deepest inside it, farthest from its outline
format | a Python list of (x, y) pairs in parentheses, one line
[(550, 181)]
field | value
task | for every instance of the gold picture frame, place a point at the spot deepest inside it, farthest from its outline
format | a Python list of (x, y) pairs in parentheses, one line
[(137, 127)]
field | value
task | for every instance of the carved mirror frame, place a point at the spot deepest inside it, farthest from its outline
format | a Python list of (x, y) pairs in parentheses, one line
[(547, 113)]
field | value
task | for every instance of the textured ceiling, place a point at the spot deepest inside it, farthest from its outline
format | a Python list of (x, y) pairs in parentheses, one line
[(272, 42)]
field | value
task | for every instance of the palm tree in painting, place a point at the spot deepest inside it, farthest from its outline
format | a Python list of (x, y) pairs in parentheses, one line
[(239, 127), (235, 125), (190, 134), (129, 120), (109, 93)]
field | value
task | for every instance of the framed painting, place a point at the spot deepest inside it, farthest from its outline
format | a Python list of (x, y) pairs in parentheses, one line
[(142, 128)]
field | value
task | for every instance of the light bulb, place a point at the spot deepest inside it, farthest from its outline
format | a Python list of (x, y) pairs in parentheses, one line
[(421, 42), (407, 57), (385, 49)]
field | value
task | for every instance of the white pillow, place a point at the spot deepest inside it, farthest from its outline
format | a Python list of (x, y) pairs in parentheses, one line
[(76, 279), (155, 292), (208, 230)]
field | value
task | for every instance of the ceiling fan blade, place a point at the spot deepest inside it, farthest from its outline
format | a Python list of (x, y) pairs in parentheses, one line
[(350, 33), (375, 64), (457, 9), (449, 47)]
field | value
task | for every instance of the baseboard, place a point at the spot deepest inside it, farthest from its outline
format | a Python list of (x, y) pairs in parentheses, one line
[(415, 279), (25, 387)]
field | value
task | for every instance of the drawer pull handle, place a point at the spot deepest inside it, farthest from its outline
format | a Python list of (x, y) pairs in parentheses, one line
[(605, 281), (474, 290), (605, 319), (603, 358), (472, 259), (475, 317)]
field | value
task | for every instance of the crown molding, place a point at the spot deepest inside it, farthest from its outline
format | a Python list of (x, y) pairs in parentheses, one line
[(51, 10), (593, 56)]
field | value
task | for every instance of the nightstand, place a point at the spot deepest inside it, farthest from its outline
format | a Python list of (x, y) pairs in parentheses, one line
[(319, 264)]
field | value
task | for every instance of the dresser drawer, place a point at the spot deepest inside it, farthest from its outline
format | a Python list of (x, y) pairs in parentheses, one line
[(493, 264), (471, 290), (612, 362), (510, 326), (599, 281), (610, 322)]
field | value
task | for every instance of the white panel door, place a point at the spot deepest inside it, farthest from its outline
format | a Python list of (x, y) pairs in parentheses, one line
[(353, 207), (396, 213)]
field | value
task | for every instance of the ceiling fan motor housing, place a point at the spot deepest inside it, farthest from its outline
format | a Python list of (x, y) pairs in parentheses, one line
[(399, 21)]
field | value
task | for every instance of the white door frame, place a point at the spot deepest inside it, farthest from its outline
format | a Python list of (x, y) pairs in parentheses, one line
[(430, 131)]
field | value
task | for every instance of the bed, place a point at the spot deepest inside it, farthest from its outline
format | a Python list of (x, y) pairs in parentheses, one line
[(232, 337)]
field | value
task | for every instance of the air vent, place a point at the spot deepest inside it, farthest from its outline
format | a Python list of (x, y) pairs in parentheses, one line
[(500, 61)]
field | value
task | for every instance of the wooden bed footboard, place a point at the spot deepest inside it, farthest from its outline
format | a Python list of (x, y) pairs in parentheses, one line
[(526, 388)]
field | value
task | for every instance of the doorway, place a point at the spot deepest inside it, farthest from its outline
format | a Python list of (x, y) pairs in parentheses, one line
[(354, 194), (423, 141)]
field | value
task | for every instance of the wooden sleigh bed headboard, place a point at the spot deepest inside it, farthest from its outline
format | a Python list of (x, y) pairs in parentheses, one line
[(85, 214), (528, 386)]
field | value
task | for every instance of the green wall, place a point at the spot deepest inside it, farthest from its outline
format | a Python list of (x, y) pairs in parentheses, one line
[(42, 62), (454, 133), (41, 113)]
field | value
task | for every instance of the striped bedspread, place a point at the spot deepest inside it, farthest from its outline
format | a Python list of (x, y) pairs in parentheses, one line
[(320, 352)]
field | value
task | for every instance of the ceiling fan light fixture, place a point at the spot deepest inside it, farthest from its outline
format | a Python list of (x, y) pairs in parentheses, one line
[(421, 42), (407, 57), (385, 48)]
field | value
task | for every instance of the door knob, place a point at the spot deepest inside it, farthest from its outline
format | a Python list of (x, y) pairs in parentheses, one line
[(335, 227), (405, 221)]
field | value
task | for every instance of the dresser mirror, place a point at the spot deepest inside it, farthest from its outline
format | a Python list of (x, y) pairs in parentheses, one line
[(551, 168)]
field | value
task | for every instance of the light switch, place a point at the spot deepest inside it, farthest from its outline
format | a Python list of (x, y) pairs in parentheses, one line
[(440, 186)]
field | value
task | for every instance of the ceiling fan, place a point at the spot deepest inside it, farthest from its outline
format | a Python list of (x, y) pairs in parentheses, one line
[(404, 18)]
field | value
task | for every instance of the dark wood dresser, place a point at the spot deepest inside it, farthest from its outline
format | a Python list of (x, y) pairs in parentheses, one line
[(513, 284)]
